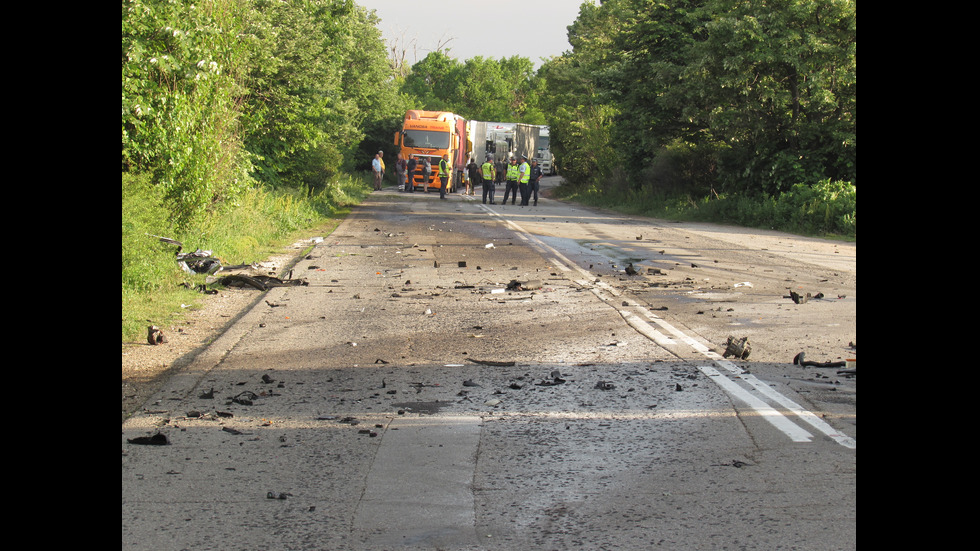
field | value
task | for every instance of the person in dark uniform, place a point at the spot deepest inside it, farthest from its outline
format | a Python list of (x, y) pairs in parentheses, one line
[(534, 184), (412, 164)]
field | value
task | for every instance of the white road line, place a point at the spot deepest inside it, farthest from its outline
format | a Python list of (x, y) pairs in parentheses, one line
[(767, 412), (778, 420)]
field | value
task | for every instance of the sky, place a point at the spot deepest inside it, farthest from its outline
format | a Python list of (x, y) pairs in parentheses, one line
[(470, 28)]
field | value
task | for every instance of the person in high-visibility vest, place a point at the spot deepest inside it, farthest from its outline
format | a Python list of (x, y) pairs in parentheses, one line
[(444, 174), (523, 178), (489, 177), (512, 174)]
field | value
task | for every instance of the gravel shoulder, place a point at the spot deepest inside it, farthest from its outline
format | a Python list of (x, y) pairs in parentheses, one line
[(146, 367)]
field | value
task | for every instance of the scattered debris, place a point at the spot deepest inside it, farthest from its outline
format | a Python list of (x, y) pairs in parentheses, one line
[(207, 395), (157, 439), (605, 385), (556, 379), (277, 495), (260, 282), (735, 463), (630, 270), (154, 336), (469, 382), (491, 363), (801, 299), (739, 348), (245, 398), (800, 360)]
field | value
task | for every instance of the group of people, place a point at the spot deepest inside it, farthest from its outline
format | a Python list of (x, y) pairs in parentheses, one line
[(407, 168), (521, 176)]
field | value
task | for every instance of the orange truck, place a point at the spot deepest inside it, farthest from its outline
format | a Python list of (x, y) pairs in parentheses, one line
[(433, 134)]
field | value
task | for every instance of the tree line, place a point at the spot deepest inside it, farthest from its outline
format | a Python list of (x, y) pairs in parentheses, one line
[(693, 96)]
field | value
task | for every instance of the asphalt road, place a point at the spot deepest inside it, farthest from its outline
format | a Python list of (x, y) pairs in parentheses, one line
[(468, 376)]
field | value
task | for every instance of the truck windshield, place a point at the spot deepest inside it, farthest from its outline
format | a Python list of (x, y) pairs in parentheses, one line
[(426, 139)]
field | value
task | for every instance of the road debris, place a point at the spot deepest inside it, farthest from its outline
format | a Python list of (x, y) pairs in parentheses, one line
[(802, 299), (739, 348), (260, 282), (244, 398), (154, 336), (556, 379), (800, 359), (491, 363), (157, 439)]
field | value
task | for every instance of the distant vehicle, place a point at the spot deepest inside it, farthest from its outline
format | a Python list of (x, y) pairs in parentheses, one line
[(433, 134), (436, 133), (534, 140), (543, 152)]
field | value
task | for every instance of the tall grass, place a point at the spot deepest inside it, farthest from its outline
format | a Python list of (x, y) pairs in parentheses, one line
[(155, 290), (826, 209)]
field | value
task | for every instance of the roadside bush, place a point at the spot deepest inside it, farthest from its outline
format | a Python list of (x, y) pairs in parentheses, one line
[(826, 207), (259, 223), (147, 265)]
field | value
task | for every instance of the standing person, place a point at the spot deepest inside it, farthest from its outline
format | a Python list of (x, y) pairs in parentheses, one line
[(534, 183), (378, 171), (472, 176), (501, 167), (427, 171), (489, 175), (410, 182), (523, 178), (511, 182), (461, 178), (444, 174), (400, 167)]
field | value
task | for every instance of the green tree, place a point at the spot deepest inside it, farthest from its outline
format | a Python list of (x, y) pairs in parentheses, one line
[(181, 87), (482, 92), (434, 82), (777, 82), (578, 109), (299, 119)]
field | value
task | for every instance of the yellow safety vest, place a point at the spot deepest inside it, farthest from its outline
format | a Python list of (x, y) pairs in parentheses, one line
[(512, 172), (443, 168), (526, 175), (487, 170)]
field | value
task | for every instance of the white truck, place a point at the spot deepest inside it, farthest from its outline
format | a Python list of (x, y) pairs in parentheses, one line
[(503, 140), (543, 153), (534, 141)]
